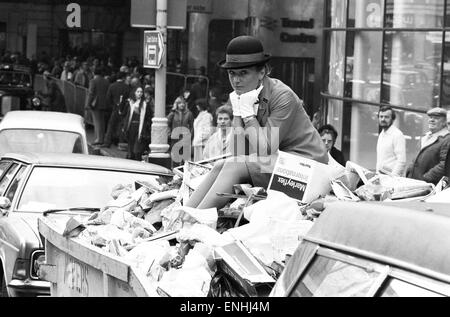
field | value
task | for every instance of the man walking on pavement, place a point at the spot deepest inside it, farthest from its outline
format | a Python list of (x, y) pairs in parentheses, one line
[(429, 165), (391, 145), (116, 97), (97, 103)]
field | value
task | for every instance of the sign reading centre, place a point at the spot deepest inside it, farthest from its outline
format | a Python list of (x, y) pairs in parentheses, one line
[(300, 178), (153, 49)]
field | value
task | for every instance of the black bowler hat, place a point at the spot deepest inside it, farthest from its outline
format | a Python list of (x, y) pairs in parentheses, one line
[(244, 51)]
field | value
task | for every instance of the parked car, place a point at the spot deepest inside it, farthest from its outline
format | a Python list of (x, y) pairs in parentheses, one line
[(42, 131), (31, 183), (16, 87), (372, 249)]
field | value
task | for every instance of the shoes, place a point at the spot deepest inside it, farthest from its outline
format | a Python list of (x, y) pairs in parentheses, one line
[(97, 143)]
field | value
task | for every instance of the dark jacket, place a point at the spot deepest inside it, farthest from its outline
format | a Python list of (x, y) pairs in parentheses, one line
[(338, 156), (115, 90), (56, 100), (429, 164), (147, 125), (178, 119), (98, 87)]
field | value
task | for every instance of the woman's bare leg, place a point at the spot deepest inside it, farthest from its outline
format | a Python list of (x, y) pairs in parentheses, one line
[(221, 179)]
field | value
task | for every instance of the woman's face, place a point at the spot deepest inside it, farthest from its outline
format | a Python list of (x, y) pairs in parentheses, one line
[(138, 93), (223, 121), (181, 105), (245, 79), (328, 141)]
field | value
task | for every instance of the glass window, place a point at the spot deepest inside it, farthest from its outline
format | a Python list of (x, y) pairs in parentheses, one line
[(336, 13), (445, 101), (328, 277), (57, 187), (414, 13), (363, 75), (3, 166), (411, 73), (7, 178), (365, 14), (336, 54), (398, 288), (17, 140), (15, 183), (364, 133)]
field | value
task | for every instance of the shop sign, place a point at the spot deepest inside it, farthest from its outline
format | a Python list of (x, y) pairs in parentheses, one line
[(300, 178), (74, 17), (153, 49), (297, 38), (202, 6), (143, 14)]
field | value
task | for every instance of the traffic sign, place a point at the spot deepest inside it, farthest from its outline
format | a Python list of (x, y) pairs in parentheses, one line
[(154, 49)]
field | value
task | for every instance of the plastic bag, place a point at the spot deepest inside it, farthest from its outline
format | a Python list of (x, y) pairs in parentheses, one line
[(223, 285)]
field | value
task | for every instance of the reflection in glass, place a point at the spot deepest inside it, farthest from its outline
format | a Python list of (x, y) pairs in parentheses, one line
[(336, 66), (328, 278), (414, 13), (335, 118), (445, 103), (411, 71), (336, 13), (398, 288), (363, 76), (365, 14), (364, 133)]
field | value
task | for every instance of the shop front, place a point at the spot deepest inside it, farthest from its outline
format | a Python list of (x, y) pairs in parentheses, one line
[(384, 52)]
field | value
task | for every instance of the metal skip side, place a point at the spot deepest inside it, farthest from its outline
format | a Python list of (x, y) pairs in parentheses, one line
[(77, 269)]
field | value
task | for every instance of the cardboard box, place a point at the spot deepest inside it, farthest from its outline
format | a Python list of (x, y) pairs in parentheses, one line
[(300, 178)]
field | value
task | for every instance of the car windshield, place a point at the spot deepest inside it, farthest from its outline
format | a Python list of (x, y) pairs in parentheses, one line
[(60, 187), (11, 78), (46, 141)]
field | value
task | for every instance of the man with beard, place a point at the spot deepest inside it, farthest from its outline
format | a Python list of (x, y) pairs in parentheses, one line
[(429, 165), (391, 145)]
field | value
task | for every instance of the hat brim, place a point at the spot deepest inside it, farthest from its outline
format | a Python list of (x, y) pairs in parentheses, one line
[(236, 65)]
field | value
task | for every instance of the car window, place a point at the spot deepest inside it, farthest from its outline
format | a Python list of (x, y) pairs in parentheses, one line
[(327, 277), (62, 187), (15, 183), (46, 141), (4, 182), (3, 166), (398, 288)]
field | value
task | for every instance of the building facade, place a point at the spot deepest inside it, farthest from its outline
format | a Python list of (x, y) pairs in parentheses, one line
[(384, 52)]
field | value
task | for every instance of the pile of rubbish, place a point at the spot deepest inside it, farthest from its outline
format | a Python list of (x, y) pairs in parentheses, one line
[(239, 250)]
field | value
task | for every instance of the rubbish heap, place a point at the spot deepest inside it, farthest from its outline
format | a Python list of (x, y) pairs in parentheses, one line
[(239, 250)]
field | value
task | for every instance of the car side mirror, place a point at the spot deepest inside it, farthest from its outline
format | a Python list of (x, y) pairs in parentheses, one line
[(5, 204)]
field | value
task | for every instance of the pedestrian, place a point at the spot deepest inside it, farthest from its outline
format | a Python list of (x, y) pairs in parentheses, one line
[(214, 102), (82, 76), (55, 98), (66, 74), (219, 143), (391, 144), (202, 128), (98, 105), (116, 96), (181, 127), (429, 164), (137, 128), (268, 114), (328, 134)]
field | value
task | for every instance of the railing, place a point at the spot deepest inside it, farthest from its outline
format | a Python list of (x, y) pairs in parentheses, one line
[(74, 95)]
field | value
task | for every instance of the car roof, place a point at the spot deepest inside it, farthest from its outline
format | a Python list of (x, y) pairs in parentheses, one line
[(45, 120), (86, 161), (412, 235)]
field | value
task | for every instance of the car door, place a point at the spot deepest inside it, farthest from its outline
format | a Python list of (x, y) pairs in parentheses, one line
[(9, 242)]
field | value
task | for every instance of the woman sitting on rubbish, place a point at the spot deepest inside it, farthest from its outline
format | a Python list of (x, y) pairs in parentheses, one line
[(268, 116), (219, 143), (137, 124)]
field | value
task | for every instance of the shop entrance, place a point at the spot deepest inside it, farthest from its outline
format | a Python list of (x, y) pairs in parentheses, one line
[(298, 74)]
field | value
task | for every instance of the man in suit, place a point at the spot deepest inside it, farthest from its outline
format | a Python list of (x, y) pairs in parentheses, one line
[(116, 96), (98, 104), (429, 164)]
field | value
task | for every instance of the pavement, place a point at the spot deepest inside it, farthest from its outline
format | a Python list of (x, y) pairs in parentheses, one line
[(96, 150)]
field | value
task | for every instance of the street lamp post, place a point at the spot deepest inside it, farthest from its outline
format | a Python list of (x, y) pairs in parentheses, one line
[(159, 147)]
